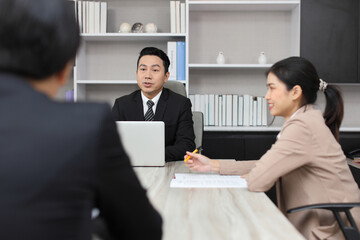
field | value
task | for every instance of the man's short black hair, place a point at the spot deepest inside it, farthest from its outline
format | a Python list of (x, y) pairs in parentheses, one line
[(156, 52), (37, 37)]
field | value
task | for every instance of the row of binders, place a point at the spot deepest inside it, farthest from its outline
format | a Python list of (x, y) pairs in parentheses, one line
[(92, 16), (176, 54), (177, 17), (231, 109)]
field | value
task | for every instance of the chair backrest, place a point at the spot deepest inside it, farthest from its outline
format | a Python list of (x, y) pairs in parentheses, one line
[(198, 127), (176, 86)]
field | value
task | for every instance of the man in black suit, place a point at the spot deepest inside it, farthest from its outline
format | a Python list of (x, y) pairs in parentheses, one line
[(171, 108), (58, 160)]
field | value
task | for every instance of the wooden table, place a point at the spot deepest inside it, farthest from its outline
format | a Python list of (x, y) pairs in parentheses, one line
[(218, 213)]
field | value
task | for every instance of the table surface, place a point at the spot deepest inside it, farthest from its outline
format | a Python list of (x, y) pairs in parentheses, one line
[(216, 213)]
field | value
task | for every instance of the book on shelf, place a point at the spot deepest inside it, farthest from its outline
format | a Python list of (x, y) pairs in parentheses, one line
[(171, 52), (231, 109), (251, 109), (177, 17), (211, 110), (259, 111), (235, 109), (254, 117), (97, 17), (264, 114), (84, 17), (180, 60), (206, 113), (240, 110), (92, 16), (246, 121), (220, 110), (176, 54), (182, 18), (216, 110), (197, 103), (203, 106), (103, 17), (172, 17), (223, 110)]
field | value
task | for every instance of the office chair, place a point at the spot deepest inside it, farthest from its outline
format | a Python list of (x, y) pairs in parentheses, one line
[(350, 232), (198, 119), (176, 86)]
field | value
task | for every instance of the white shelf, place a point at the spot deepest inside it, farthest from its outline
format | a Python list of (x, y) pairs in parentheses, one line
[(130, 36), (106, 81), (242, 129), (200, 65), (243, 5), (349, 129), (262, 129)]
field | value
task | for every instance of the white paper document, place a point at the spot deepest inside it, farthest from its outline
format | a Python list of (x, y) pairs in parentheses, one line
[(186, 180)]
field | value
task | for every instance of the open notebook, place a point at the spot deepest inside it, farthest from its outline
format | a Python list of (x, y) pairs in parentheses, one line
[(144, 142)]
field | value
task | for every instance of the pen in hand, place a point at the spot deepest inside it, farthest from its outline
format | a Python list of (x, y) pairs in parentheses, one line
[(195, 151)]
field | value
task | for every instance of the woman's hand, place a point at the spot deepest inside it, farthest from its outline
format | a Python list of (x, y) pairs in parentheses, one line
[(201, 163)]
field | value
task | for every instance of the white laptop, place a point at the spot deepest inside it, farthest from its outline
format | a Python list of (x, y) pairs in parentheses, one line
[(144, 142)]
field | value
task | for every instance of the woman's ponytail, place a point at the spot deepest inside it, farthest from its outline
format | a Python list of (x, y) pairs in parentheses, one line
[(334, 109)]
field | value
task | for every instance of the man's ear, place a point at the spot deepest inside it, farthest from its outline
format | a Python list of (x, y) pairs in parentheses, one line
[(167, 75), (296, 92)]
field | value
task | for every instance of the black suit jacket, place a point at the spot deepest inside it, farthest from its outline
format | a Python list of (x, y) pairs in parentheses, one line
[(173, 109), (58, 161)]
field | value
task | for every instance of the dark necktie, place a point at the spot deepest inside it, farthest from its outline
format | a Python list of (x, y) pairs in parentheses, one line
[(149, 115)]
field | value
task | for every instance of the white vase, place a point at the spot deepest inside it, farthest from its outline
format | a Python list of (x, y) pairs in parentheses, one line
[(262, 58), (220, 58)]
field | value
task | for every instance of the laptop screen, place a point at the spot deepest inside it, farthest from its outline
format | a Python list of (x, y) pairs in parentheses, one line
[(144, 142)]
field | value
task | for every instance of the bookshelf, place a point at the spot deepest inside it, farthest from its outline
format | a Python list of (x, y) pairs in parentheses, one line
[(240, 29), (106, 63)]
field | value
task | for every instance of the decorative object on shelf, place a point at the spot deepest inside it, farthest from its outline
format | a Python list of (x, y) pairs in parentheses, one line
[(220, 58), (137, 28), (125, 28), (150, 28), (262, 58)]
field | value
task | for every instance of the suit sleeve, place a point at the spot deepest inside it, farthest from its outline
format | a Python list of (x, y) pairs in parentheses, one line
[(232, 167), (116, 111), (121, 199), (291, 151), (184, 139)]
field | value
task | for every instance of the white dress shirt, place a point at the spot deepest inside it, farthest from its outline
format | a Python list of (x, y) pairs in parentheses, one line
[(155, 101)]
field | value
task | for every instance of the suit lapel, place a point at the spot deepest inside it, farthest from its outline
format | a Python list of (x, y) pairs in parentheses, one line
[(161, 106)]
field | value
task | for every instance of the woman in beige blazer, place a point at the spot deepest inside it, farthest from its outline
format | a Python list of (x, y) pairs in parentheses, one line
[(306, 162)]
